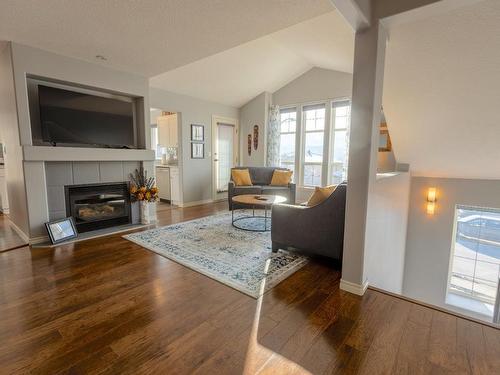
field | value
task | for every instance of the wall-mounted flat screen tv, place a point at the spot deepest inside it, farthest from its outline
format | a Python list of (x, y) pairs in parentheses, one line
[(76, 118)]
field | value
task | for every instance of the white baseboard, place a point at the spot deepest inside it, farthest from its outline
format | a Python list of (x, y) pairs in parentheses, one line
[(5, 211), (195, 203), (353, 288), (20, 232)]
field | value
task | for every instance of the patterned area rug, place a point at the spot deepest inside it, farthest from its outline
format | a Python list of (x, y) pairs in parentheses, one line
[(212, 246)]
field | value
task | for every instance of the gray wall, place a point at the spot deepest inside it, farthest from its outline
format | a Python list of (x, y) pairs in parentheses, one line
[(33, 61), (255, 112), (36, 62), (9, 133), (385, 237), (314, 85), (429, 238), (196, 174)]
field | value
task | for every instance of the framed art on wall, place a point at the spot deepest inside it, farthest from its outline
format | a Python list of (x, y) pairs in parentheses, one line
[(197, 150), (197, 133), (61, 230)]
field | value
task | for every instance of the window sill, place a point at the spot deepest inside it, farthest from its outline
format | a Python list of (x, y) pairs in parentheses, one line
[(470, 304)]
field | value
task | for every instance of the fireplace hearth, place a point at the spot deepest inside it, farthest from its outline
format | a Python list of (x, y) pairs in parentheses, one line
[(98, 206)]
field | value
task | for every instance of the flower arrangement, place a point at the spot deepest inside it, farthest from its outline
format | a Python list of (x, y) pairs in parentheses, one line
[(143, 188)]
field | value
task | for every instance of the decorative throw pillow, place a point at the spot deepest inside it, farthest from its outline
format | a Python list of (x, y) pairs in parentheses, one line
[(281, 177), (241, 177), (320, 195)]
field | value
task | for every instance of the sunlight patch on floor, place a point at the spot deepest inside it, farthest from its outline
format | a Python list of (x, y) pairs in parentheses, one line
[(258, 356)]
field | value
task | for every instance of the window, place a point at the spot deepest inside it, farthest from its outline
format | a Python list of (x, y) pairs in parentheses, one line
[(314, 142), (341, 119), (288, 128), (475, 260), (314, 128)]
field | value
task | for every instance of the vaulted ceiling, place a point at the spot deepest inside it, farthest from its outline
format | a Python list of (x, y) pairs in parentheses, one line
[(148, 37), (442, 92), (236, 75)]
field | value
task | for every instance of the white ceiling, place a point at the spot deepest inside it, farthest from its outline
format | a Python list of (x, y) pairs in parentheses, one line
[(235, 76), (148, 37), (442, 92)]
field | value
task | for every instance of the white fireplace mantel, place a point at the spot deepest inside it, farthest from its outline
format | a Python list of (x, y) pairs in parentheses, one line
[(47, 153)]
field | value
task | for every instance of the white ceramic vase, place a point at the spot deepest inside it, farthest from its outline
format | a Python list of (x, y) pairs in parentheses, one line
[(148, 212)]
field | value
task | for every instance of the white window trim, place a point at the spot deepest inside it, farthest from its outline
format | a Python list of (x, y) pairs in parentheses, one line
[(452, 255), (328, 139)]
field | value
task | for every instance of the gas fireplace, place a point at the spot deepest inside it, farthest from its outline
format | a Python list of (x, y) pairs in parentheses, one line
[(98, 206)]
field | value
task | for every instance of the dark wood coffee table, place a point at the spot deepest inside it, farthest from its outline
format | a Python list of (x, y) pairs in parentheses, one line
[(263, 202)]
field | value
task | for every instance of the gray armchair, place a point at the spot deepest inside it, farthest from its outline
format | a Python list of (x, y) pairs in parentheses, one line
[(318, 229), (261, 179)]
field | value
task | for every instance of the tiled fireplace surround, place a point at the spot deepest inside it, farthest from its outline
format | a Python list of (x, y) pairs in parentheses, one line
[(61, 173)]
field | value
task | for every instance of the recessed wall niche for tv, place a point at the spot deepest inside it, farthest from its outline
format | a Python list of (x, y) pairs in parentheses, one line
[(65, 115)]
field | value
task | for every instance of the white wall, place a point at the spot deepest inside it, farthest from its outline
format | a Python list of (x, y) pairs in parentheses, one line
[(255, 112), (314, 85), (385, 237), (9, 134), (196, 173), (429, 238)]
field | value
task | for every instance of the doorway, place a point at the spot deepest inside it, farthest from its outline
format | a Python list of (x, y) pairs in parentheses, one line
[(225, 153)]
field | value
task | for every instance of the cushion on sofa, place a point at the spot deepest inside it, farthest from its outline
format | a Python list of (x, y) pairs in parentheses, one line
[(241, 177), (281, 178), (320, 194)]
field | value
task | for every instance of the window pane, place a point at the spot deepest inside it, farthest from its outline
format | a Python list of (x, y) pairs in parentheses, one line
[(315, 119), (463, 266), (312, 175), (341, 122), (288, 122), (487, 271), (476, 254), (338, 165), (313, 152), (287, 148), (342, 111)]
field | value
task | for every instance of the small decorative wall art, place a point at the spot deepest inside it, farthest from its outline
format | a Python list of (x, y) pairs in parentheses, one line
[(197, 133), (197, 150), (255, 137), (249, 144)]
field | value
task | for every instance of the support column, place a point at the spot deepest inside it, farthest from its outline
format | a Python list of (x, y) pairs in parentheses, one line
[(369, 58)]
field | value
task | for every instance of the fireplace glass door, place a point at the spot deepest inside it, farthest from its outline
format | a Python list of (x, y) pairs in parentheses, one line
[(98, 206)]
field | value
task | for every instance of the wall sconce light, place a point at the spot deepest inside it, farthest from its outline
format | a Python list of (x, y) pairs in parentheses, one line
[(431, 201)]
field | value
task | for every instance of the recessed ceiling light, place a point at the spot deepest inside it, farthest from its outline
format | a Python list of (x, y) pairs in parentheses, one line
[(101, 57)]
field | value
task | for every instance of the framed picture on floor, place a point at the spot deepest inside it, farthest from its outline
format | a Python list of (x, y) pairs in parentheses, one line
[(197, 133), (61, 230), (197, 150)]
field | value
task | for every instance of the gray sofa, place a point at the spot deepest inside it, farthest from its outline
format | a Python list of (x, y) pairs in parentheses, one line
[(317, 230), (261, 179)]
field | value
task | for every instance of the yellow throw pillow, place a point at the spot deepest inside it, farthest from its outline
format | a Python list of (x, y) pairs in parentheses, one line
[(320, 194), (281, 178), (241, 177)]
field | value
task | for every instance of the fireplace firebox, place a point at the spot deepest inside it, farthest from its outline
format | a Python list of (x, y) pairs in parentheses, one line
[(97, 206)]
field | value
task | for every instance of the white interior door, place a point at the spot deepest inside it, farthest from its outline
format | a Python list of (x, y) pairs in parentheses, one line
[(225, 155)]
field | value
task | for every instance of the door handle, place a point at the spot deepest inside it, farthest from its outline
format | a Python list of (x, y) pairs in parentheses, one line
[(216, 159)]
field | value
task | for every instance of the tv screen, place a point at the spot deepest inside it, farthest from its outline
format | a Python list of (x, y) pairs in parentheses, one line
[(70, 117)]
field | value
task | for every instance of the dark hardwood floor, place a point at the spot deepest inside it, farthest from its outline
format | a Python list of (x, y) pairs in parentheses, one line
[(9, 239), (108, 306)]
